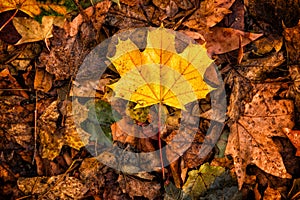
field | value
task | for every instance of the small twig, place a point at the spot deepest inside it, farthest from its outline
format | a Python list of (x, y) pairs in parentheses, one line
[(11, 18), (35, 127)]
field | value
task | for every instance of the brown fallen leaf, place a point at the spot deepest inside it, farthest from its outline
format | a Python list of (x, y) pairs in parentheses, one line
[(294, 136), (222, 40), (32, 31), (250, 140)]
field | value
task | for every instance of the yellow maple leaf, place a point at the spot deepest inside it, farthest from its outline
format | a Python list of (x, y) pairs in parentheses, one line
[(32, 31), (159, 74)]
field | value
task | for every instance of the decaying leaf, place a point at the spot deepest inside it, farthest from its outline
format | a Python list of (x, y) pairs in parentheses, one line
[(32, 31), (294, 136), (250, 140), (159, 74), (200, 180)]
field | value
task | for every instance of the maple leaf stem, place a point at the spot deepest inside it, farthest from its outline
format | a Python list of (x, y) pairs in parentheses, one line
[(9, 20), (159, 141)]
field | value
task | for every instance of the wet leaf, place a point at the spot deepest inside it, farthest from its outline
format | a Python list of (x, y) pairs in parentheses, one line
[(250, 140), (32, 31), (146, 83), (199, 181)]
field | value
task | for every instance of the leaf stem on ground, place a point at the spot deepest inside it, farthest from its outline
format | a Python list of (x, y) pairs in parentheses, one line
[(11, 18)]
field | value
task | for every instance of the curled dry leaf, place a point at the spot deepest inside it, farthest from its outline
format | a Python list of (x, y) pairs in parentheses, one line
[(250, 140)]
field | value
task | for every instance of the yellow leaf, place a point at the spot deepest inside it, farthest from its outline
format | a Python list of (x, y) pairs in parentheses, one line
[(32, 31), (29, 7), (160, 74)]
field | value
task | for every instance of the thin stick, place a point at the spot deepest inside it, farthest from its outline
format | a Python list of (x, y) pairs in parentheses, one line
[(35, 127), (11, 18), (159, 141)]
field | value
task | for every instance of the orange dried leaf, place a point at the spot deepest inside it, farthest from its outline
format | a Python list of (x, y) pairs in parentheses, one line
[(250, 140)]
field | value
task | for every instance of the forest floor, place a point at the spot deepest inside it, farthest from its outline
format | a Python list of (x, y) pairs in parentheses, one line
[(149, 99)]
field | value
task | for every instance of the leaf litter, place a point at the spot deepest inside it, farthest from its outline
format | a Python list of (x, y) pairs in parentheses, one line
[(262, 89)]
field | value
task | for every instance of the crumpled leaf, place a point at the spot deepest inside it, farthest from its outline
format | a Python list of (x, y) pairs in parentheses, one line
[(250, 139), (209, 14), (294, 136), (53, 187), (32, 31), (200, 180), (144, 80)]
